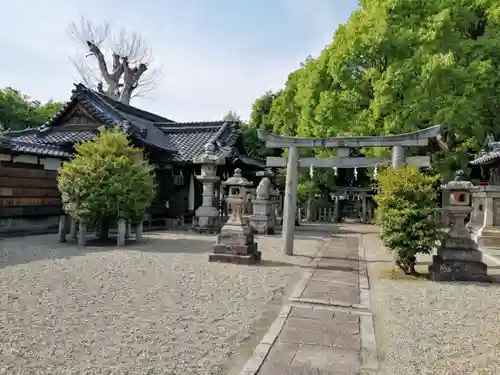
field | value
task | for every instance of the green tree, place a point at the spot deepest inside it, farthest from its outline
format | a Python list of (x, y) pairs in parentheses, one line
[(407, 203), (18, 111), (306, 193), (399, 66), (108, 179), (261, 108), (251, 142), (231, 116)]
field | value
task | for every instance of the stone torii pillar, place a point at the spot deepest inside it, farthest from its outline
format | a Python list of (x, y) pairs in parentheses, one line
[(290, 206)]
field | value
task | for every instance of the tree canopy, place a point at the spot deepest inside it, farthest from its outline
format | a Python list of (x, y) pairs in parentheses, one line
[(107, 179), (18, 111), (398, 66)]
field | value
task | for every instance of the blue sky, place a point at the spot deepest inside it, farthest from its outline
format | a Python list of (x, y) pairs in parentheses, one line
[(215, 55)]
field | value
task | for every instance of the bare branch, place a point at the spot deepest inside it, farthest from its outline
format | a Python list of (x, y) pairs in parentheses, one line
[(128, 74), (86, 73), (149, 81), (85, 32), (132, 46)]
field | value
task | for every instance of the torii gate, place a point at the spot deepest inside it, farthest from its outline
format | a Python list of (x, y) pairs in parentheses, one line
[(342, 144)]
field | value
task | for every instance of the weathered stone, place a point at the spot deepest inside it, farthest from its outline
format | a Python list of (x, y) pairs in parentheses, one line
[(458, 270), (207, 216), (458, 258), (235, 243), (235, 258), (452, 254), (236, 249), (234, 238)]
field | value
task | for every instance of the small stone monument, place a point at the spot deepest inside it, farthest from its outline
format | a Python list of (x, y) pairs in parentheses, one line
[(207, 216), (235, 243), (262, 220), (458, 258)]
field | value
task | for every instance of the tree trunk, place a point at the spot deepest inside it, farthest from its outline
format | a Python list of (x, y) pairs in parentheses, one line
[(309, 208), (104, 230)]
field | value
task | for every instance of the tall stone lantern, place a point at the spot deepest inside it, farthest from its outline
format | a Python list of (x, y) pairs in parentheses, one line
[(235, 243), (458, 258), (207, 216)]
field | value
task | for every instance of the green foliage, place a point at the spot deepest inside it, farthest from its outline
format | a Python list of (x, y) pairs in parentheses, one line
[(251, 142), (231, 116), (399, 66), (406, 206), (306, 190), (18, 111), (107, 179)]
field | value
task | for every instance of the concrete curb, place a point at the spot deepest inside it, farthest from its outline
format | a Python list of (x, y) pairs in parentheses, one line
[(369, 353), (259, 355)]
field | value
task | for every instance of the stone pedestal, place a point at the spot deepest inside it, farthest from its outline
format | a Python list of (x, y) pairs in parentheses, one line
[(207, 218), (485, 217), (261, 221), (235, 243), (458, 258)]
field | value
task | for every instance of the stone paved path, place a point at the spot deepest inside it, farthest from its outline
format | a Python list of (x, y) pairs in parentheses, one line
[(327, 328)]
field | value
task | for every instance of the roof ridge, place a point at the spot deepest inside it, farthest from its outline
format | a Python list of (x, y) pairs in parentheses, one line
[(122, 106)]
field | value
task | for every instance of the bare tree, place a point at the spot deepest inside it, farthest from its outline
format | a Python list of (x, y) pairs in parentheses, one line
[(128, 75)]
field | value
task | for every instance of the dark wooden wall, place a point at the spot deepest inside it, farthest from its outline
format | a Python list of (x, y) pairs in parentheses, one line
[(27, 190)]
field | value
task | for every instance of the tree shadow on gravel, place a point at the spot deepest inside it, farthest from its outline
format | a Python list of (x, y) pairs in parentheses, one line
[(22, 250)]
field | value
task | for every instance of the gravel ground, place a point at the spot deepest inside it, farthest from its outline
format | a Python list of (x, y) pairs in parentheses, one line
[(424, 327), (157, 308)]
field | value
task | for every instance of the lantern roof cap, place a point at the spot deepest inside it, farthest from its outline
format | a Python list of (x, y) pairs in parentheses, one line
[(237, 179), (459, 182)]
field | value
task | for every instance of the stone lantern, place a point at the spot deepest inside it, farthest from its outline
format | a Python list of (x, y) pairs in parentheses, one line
[(207, 216), (458, 258), (235, 243)]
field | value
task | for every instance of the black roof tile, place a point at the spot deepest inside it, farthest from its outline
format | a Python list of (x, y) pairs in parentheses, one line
[(183, 141)]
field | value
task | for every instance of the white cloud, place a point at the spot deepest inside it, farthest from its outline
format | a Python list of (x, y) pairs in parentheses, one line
[(202, 80)]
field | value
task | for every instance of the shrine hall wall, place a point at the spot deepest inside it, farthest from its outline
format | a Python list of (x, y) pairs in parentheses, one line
[(30, 201)]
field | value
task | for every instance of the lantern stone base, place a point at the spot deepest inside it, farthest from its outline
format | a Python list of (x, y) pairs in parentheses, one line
[(489, 237), (261, 224), (235, 247), (459, 265), (207, 220), (262, 221)]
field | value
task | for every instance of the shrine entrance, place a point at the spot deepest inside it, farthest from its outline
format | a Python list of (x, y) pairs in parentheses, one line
[(344, 160)]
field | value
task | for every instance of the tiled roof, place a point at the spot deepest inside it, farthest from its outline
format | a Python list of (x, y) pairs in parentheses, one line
[(489, 156), (181, 141), (191, 137), (24, 144)]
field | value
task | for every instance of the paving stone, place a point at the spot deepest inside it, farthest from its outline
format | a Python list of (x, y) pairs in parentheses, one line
[(280, 369), (326, 324), (335, 276), (306, 336), (310, 313), (333, 336), (348, 294), (327, 359), (282, 352)]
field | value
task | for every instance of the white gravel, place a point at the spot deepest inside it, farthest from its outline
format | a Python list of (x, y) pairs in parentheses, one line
[(424, 327), (157, 308)]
